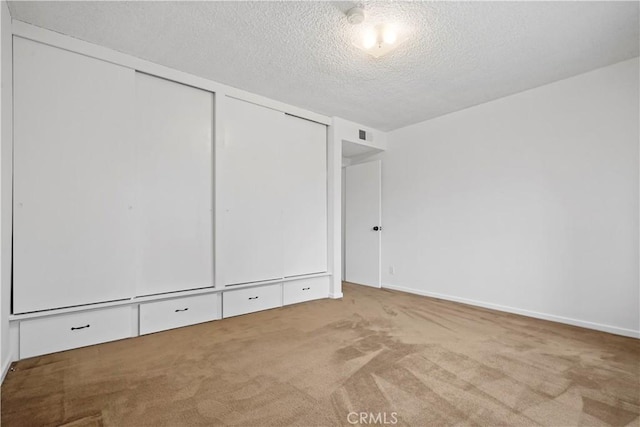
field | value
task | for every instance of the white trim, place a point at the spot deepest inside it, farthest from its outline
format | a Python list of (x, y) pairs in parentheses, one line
[(5, 369), (544, 316), (158, 297), (219, 112), (334, 211), (56, 311), (337, 295), (270, 282), (172, 295), (97, 306), (305, 276), (31, 32)]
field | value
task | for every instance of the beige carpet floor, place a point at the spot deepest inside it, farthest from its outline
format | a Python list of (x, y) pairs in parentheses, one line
[(417, 360)]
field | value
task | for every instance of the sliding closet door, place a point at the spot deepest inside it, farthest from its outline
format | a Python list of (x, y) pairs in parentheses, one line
[(304, 157), (175, 186), (250, 193), (73, 235)]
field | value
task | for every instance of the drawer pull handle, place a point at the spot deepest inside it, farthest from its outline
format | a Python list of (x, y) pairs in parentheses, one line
[(182, 309), (73, 328), (253, 297), (305, 289)]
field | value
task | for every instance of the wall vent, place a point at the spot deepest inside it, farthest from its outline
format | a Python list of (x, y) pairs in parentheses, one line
[(363, 135)]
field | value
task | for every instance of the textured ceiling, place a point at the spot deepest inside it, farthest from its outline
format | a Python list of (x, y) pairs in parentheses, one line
[(457, 54)]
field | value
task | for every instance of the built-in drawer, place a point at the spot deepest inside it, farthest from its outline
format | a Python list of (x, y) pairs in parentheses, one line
[(305, 290), (66, 331), (249, 300), (175, 313)]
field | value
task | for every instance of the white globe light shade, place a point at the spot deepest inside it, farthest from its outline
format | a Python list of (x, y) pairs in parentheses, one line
[(389, 36), (369, 39)]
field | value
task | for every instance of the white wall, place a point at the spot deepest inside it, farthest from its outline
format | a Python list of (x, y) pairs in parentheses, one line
[(528, 203), (5, 184), (346, 130)]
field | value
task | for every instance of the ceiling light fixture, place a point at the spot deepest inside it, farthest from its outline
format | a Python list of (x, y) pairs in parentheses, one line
[(375, 40), (378, 40)]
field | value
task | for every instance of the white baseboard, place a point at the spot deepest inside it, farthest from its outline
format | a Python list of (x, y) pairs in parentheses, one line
[(5, 368), (336, 295), (545, 316)]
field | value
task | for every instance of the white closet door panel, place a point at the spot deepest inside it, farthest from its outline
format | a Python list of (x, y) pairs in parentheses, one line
[(250, 193), (73, 167), (175, 188), (305, 201)]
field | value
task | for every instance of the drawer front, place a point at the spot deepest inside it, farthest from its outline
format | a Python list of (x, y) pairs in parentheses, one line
[(243, 301), (73, 330), (306, 290), (175, 313)]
